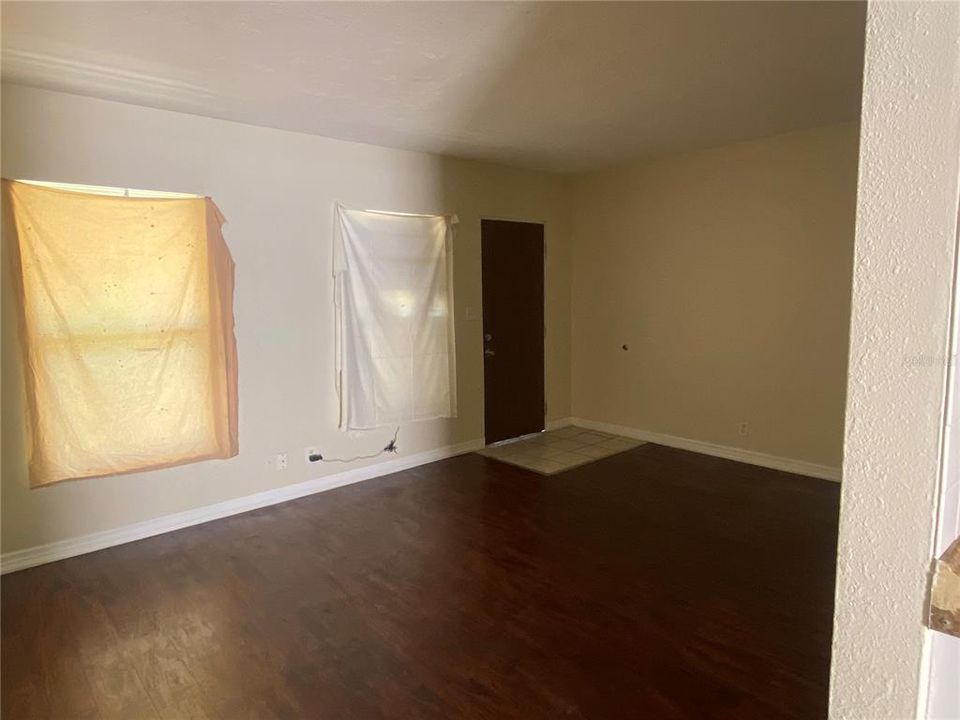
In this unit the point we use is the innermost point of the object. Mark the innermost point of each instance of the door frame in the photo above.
(546, 321)
(939, 694)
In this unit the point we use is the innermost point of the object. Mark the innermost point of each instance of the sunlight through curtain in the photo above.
(396, 356)
(126, 326)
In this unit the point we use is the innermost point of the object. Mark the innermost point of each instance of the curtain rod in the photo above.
(452, 217)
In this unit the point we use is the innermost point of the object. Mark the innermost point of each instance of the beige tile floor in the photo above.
(558, 450)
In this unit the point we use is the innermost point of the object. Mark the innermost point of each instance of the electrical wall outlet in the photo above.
(742, 428)
(312, 455)
(281, 461)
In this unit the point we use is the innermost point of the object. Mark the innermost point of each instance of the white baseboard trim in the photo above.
(558, 423)
(751, 457)
(62, 549)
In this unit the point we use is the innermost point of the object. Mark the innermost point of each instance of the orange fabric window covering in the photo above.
(126, 329)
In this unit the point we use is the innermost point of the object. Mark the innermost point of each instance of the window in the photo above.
(126, 302)
(396, 352)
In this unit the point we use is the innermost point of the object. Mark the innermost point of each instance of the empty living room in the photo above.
(520, 360)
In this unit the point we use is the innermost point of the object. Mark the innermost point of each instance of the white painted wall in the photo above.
(276, 189)
(903, 265)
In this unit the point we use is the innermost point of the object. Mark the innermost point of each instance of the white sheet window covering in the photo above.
(396, 353)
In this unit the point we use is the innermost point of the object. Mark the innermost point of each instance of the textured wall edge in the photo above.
(903, 264)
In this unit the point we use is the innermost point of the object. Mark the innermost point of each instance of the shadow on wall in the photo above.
(714, 72)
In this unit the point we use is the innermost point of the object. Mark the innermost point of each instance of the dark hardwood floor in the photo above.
(652, 584)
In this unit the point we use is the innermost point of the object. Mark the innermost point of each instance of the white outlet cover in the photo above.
(281, 461)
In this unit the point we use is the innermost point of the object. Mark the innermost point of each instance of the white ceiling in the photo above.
(555, 86)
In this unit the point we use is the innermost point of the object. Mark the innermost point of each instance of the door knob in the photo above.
(488, 353)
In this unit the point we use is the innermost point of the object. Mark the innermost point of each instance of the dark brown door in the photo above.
(512, 261)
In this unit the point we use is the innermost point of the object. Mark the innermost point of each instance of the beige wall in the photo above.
(727, 273)
(276, 189)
